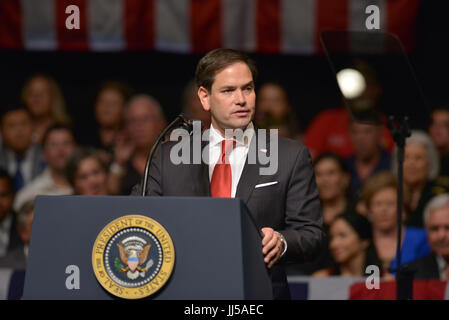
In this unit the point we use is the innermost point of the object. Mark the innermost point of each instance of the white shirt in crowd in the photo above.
(41, 185)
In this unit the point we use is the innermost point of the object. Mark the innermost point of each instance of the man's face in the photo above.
(6, 198)
(439, 129)
(17, 130)
(143, 123)
(438, 231)
(232, 100)
(366, 139)
(38, 98)
(58, 148)
(272, 101)
(109, 108)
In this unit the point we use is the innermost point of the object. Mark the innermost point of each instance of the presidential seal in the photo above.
(133, 257)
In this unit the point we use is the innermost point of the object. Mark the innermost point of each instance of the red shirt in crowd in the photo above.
(329, 131)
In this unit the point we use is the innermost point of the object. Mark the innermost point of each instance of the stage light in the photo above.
(351, 83)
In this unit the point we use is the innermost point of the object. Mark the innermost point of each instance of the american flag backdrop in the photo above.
(195, 26)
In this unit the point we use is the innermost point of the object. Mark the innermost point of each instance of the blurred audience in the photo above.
(332, 179)
(350, 159)
(109, 114)
(9, 238)
(45, 101)
(144, 120)
(421, 168)
(274, 111)
(351, 247)
(369, 157)
(329, 131)
(19, 155)
(17, 258)
(436, 221)
(380, 195)
(192, 107)
(58, 145)
(87, 173)
(439, 132)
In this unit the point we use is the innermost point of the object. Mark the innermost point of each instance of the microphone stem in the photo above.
(153, 150)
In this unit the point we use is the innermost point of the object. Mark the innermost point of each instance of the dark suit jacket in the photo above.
(291, 206)
(426, 268)
(37, 162)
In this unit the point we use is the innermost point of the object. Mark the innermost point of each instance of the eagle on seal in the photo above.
(133, 259)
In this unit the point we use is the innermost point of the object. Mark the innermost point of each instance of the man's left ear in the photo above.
(204, 96)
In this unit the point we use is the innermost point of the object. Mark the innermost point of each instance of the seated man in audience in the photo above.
(58, 146)
(436, 221)
(439, 131)
(17, 258)
(18, 155)
(9, 238)
(144, 121)
(369, 157)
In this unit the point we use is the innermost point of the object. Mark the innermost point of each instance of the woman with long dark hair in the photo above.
(351, 247)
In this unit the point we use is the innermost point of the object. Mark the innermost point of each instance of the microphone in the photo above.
(181, 121)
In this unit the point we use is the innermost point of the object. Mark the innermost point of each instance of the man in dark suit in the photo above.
(18, 155)
(9, 237)
(436, 221)
(284, 202)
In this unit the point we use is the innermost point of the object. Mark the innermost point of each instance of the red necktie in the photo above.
(221, 182)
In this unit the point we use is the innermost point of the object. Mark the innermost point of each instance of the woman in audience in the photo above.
(109, 108)
(380, 196)
(332, 179)
(43, 98)
(87, 173)
(421, 170)
(351, 247)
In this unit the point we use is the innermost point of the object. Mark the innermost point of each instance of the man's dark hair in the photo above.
(13, 108)
(117, 86)
(56, 127)
(215, 61)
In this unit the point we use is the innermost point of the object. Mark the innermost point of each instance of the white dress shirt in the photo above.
(25, 166)
(41, 185)
(5, 229)
(441, 266)
(237, 157)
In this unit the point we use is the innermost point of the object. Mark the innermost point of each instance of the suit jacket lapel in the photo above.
(200, 177)
(250, 174)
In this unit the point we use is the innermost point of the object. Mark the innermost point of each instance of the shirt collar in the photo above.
(244, 140)
(5, 225)
(441, 264)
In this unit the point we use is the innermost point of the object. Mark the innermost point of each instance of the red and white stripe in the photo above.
(186, 26)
